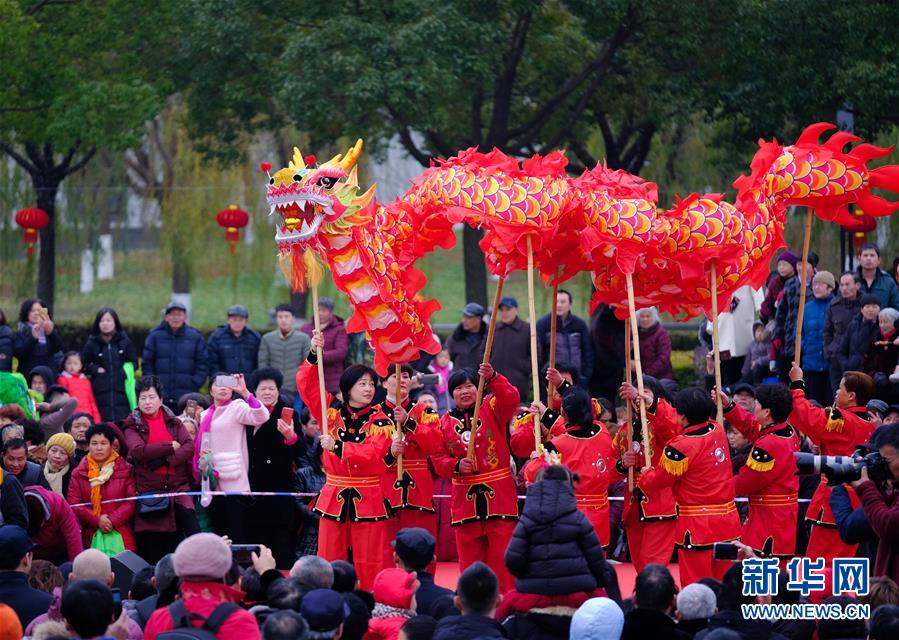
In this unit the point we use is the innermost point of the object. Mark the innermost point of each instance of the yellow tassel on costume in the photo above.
(429, 416)
(1, 477)
(674, 462)
(524, 421)
(760, 460)
(834, 421)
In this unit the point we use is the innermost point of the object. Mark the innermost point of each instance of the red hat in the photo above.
(395, 588)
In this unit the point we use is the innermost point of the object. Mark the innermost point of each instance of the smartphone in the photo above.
(225, 381)
(116, 603)
(724, 551)
(430, 379)
(242, 553)
(44, 313)
(287, 415)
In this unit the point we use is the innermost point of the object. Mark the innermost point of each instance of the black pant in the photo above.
(230, 515)
(817, 387)
(151, 546)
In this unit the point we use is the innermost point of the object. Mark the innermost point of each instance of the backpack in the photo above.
(182, 629)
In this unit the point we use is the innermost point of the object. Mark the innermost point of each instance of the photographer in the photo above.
(880, 504)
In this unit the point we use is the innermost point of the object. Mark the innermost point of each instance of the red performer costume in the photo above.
(696, 464)
(837, 431)
(485, 501)
(352, 504)
(769, 480)
(650, 513)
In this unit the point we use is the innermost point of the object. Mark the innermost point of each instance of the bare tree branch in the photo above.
(505, 82)
(19, 159)
(78, 166)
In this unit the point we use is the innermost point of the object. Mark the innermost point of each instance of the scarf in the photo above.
(98, 476)
(54, 478)
(386, 611)
(205, 427)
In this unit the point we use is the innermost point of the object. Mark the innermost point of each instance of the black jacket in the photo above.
(31, 353)
(855, 343)
(179, 358)
(26, 601)
(555, 550)
(511, 354)
(573, 345)
(7, 347)
(640, 624)
(468, 627)
(428, 593)
(13, 509)
(840, 313)
(271, 467)
(467, 349)
(748, 629)
(538, 626)
(109, 386)
(233, 354)
(33, 473)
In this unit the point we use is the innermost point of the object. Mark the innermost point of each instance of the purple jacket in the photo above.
(337, 344)
(54, 613)
(59, 537)
(883, 516)
(655, 352)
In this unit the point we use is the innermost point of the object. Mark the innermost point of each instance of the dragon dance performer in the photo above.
(485, 501)
(837, 431)
(418, 435)
(359, 436)
(769, 477)
(585, 447)
(696, 464)
(649, 512)
(551, 421)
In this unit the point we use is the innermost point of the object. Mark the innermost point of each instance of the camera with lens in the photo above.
(842, 469)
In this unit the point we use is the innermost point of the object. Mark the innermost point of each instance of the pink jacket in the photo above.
(60, 535)
(230, 457)
(79, 387)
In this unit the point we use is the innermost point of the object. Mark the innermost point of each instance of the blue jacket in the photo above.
(883, 286)
(813, 358)
(233, 354)
(26, 601)
(179, 358)
(851, 523)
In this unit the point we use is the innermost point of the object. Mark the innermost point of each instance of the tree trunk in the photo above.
(475, 266)
(46, 189)
(300, 303)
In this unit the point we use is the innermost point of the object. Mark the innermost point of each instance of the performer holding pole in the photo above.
(488, 351)
(803, 286)
(635, 337)
(719, 409)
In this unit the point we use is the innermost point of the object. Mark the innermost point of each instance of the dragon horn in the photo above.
(352, 155)
(297, 162)
(352, 179)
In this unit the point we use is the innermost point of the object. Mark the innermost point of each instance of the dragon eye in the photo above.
(297, 177)
(327, 182)
(271, 181)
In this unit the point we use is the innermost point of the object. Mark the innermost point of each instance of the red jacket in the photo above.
(60, 535)
(490, 493)
(119, 485)
(203, 598)
(837, 432)
(354, 470)
(882, 514)
(79, 387)
(770, 482)
(337, 343)
(423, 437)
(696, 464)
(384, 628)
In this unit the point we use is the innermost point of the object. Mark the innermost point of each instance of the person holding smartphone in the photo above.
(37, 343)
(225, 422)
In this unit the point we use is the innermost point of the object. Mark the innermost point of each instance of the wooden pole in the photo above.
(635, 338)
(535, 373)
(398, 371)
(320, 359)
(488, 350)
(552, 341)
(629, 378)
(719, 409)
(797, 350)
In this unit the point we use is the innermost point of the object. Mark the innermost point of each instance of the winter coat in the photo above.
(855, 343)
(840, 313)
(119, 485)
(882, 513)
(7, 347)
(883, 286)
(13, 509)
(284, 353)
(573, 345)
(459, 627)
(271, 467)
(32, 353)
(231, 353)
(538, 626)
(428, 593)
(179, 358)
(758, 356)
(384, 628)
(59, 538)
(309, 479)
(851, 523)
(33, 473)
(202, 598)
(337, 343)
(80, 388)
(786, 316)
(607, 338)
(733, 620)
(512, 354)
(466, 349)
(655, 352)
(109, 386)
(554, 550)
(26, 601)
(231, 458)
(880, 361)
(813, 358)
(146, 459)
(651, 623)
(774, 285)
(54, 614)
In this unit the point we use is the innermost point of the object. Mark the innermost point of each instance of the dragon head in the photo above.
(313, 200)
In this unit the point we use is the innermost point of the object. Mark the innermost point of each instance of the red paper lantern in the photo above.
(860, 227)
(32, 220)
(232, 220)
